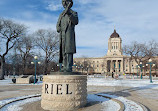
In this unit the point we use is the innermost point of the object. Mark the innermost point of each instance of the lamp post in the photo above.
(133, 71)
(143, 70)
(60, 66)
(82, 68)
(141, 65)
(119, 67)
(150, 63)
(74, 66)
(114, 66)
(87, 70)
(35, 62)
(137, 69)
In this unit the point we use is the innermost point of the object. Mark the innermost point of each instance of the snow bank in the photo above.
(142, 83)
(5, 101)
(17, 106)
(129, 105)
(108, 105)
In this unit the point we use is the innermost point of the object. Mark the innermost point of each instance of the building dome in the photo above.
(114, 34)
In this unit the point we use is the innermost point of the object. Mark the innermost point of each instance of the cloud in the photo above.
(135, 20)
(54, 5)
(35, 25)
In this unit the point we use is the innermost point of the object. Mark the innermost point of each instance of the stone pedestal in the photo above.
(64, 92)
(24, 79)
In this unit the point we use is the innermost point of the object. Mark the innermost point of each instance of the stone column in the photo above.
(117, 64)
(119, 45)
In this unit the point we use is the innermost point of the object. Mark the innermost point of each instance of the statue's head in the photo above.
(66, 2)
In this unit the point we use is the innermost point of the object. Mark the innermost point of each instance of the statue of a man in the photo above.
(66, 27)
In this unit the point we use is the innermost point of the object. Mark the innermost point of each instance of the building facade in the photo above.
(113, 61)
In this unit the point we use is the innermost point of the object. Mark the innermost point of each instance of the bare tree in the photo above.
(136, 51)
(151, 49)
(141, 51)
(24, 47)
(48, 41)
(10, 32)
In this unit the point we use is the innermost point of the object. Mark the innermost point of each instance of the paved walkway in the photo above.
(146, 96)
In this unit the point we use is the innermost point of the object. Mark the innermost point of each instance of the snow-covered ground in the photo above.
(101, 81)
(141, 83)
(8, 81)
(17, 106)
(5, 101)
(108, 105)
(129, 105)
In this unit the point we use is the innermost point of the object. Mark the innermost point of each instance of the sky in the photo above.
(134, 20)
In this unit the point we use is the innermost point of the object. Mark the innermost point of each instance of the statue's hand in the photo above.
(67, 9)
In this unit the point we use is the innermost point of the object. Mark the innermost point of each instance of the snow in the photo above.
(96, 80)
(108, 105)
(17, 106)
(141, 83)
(8, 81)
(129, 105)
(5, 101)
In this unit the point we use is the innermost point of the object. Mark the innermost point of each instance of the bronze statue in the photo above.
(66, 27)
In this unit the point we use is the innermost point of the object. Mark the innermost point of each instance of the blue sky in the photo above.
(135, 20)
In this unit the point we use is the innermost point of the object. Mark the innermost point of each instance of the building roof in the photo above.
(114, 34)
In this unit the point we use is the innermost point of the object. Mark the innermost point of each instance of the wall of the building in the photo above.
(99, 65)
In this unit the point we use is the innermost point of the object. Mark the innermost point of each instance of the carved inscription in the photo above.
(58, 89)
(46, 88)
(67, 89)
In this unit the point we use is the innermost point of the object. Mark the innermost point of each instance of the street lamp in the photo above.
(87, 69)
(60, 66)
(35, 62)
(114, 66)
(150, 63)
(133, 70)
(137, 69)
(141, 65)
(74, 66)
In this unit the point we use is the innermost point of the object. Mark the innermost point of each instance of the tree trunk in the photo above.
(2, 73)
(23, 67)
(45, 67)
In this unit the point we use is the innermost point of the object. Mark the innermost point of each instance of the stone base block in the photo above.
(64, 92)
(24, 79)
